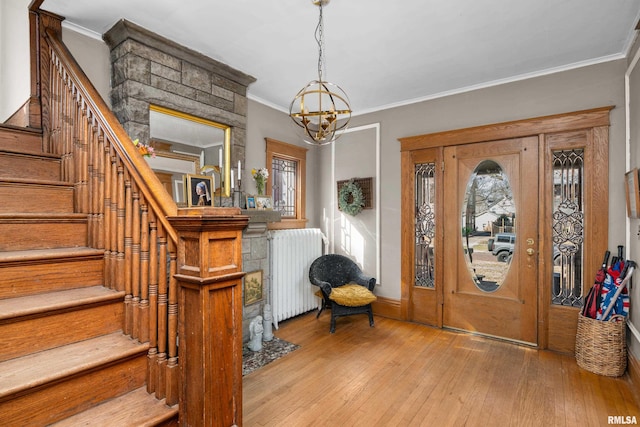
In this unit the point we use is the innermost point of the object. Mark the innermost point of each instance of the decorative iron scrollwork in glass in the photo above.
(568, 227)
(425, 225)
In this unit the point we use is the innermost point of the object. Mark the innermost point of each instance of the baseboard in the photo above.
(387, 307)
(633, 370)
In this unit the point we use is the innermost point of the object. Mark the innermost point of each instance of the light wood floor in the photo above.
(403, 374)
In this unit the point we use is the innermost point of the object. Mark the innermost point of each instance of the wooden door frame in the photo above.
(595, 122)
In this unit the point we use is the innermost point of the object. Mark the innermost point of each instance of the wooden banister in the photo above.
(128, 213)
(126, 205)
(140, 172)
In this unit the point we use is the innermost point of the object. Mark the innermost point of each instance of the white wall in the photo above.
(93, 56)
(588, 87)
(14, 56)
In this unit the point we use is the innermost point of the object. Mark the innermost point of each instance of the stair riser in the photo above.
(12, 139)
(36, 278)
(24, 198)
(19, 337)
(24, 166)
(26, 235)
(51, 403)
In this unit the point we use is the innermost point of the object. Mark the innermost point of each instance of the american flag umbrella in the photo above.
(593, 300)
(616, 298)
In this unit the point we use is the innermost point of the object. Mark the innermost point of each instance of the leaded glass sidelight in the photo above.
(425, 224)
(284, 186)
(568, 227)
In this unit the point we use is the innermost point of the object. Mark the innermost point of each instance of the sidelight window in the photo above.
(568, 227)
(425, 227)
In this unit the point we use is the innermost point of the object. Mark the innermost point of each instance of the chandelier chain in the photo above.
(320, 40)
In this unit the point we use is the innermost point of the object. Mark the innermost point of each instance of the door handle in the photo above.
(530, 251)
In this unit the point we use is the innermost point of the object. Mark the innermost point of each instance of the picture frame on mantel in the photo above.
(264, 202)
(251, 201)
(632, 187)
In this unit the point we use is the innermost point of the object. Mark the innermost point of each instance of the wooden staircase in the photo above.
(64, 358)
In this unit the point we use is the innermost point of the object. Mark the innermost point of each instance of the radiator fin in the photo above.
(292, 252)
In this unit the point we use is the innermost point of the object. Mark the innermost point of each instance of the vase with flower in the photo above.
(260, 177)
(144, 149)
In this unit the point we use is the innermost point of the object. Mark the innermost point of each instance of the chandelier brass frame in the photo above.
(320, 108)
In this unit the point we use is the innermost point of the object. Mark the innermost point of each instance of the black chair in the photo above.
(333, 271)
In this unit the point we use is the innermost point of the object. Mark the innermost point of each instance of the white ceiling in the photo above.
(382, 53)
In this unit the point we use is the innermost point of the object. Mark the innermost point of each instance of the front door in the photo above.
(490, 221)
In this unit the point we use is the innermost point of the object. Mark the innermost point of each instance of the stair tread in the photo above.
(26, 130)
(37, 369)
(48, 254)
(58, 300)
(30, 181)
(40, 216)
(136, 408)
(31, 154)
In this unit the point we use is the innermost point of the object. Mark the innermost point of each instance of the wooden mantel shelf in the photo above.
(262, 215)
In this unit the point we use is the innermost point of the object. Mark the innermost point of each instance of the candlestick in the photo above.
(220, 157)
(239, 173)
(232, 186)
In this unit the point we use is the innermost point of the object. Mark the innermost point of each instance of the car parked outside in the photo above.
(502, 245)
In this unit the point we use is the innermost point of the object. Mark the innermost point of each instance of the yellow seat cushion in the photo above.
(352, 295)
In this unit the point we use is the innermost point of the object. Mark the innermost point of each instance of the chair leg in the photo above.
(332, 329)
(320, 310)
(370, 317)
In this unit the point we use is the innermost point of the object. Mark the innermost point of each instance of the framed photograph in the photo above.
(253, 287)
(264, 202)
(632, 188)
(197, 188)
(251, 202)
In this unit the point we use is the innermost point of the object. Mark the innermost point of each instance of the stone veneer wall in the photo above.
(148, 69)
(256, 256)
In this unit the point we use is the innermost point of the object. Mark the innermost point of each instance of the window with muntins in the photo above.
(287, 168)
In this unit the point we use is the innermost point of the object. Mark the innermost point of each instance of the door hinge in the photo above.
(442, 166)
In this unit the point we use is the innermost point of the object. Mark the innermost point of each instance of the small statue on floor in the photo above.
(255, 334)
(268, 331)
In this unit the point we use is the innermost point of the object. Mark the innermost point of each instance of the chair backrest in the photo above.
(334, 269)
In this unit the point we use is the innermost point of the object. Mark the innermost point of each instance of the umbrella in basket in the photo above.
(616, 299)
(593, 300)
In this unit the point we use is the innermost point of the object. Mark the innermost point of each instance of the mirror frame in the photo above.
(226, 190)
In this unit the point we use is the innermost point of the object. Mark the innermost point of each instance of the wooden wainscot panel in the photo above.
(564, 321)
(223, 253)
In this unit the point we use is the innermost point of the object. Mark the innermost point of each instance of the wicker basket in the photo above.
(601, 347)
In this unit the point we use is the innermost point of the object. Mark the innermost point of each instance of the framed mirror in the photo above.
(186, 144)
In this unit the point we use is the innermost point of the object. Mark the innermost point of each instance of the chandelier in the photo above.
(321, 108)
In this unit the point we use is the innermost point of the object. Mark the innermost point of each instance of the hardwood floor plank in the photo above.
(404, 374)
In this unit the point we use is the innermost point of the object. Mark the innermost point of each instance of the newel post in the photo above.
(209, 276)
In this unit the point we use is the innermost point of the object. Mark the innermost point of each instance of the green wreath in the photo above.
(350, 198)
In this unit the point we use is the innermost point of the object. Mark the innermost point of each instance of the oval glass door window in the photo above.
(488, 226)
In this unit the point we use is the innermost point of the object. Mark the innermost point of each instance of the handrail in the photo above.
(138, 168)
